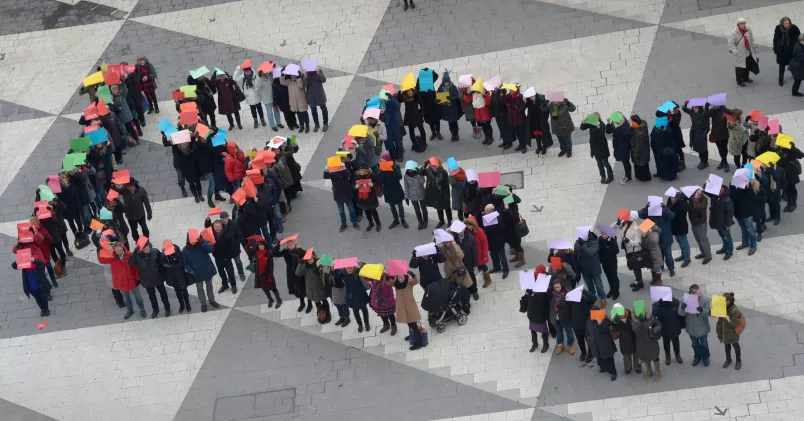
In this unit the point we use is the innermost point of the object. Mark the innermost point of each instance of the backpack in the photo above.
(740, 326)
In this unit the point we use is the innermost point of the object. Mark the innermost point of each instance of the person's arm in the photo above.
(570, 106)
(300, 268)
(147, 203)
(321, 76)
(208, 248)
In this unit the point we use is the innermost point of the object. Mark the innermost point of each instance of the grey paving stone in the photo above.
(676, 11)
(244, 353)
(18, 16)
(10, 112)
(152, 7)
(444, 30)
(14, 412)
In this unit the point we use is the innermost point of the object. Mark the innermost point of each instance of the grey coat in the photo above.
(314, 84)
(561, 124)
(737, 46)
(122, 105)
(588, 255)
(697, 325)
(313, 282)
(458, 193)
(647, 343)
(414, 187)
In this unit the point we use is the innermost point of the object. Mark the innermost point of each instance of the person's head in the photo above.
(34, 221)
(248, 72)
(217, 226)
(597, 114)
(147, 248)
(488, 209)
(261, 245)
(364, 170)
(558, 286)
(371, 121)
(184, 146)
(741, 24)
(225, 217)
(131, 187)
(737, 114)
(350, 270)
(729, 299)
(635, 120)
(541, 269)
(142, 60)
(695, 290)
(114, 89)
(118, 248)
(785, 23)
(626, 314)
(723, 191)
(470, 224)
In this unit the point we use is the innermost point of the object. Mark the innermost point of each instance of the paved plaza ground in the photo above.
(246, 361)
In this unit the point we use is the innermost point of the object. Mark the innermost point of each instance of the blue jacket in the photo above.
(196, 259)
(391, 114)
(663, 222)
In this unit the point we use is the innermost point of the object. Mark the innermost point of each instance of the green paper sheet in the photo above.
(616, 116)
(592, 119)
(80, 144)
(105, 94)
(509, 200)
(617, 311)
(292, 140)
(79, 158)
(197, 73)
(189, 91)
(639, 308)
(45, 193)
(67, 164)
(326, 260)
(501, 190)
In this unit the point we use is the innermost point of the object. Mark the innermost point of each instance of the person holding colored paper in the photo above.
(623, 326)
(431, 109)
(407, 311)
(482, 245)
(608, 251)
(777, 182)
(391, 117)
(451, 109)
(663, 222)
(146, 78)
(134, 97)
(601, 344)
(468, 110)
(599, 146)
(496, 237)
(738, 138)
(413, 118)
(152, 276)
(744, 200)
(663, 145)
(414, 182)
(317, 284)
(227, 105)
(558, 293)
(721, 218)
(138, 208)
(316, 97)
(667, 314)
(457, 182)
(356, 296)
(121, 108)
(342, 193)
(297, 98)
(674, 122)
(589, 261)
(537, 125)
(205, 91)
(561, 123)
(697, 205)
(620, 142)
(175, 275)
(729, 329)
(537, 309)
(392, 192)
(698, 133)
(186, 165)
(234, 161)
(680, 227)
(35, 283)
(639, 144)
(633, 242)
(481, 103)
(696, 323)
(759, 188)
(437, 191)
(367, 185)
(383, 302)
(251, 89)
(648, 330)
(125, 277)
(579, 319)
(792, 168)
(515, 115)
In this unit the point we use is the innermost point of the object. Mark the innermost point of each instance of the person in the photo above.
(120, 106)
(315, 284)
(742, 47)
(297, 98)
(467, 244)
(429, 271)
(264, 86)
(536, 124)
(567, 273)
(680, 227)
(621, 144)
(510, 219)
(663, 222)
(146, 77)
(125, 277)
(633, 241)
(589, 259)
(647, 330)
(743, 200)
(674, 122)
(759, 194)
(667, 314)
(457, 183)
(785, 38)
(563, 321)
(537, 308)
(729, 329)
(356, 297)
(186, 166)
(599, 146)
(383, 302)
(579, 319)
(496, 238)
(390, 116)
(482, 244)
(415, 192)
(602, 345)
(792, 168)
(342, 193)
(777, 183)
(76, 201)
(44, 241)
(697, 205)
(230, 225)
(698, 133)
(227, 105)
(175, 275)
(413, 118)
(234, 161)
(245, 77)
(152, 276)
(561, 123)
(34, 282)
(451, 109)
(608, 251)
(721, 218)
(225, 248)
(264, 268)
(720, 133)
(292, 254)
(696, 323)
(393, 193)
(455, 269)
(48, 221)
(796, 66)
(481, 103)
(138, 208)
(198, 264)
(313, 82)
(205, 98)
(407, 311)
(282, 100)
(663, 145)
(431, 110)
(437, 193)
(738, 137)
(515, 114)
(338, 296)
(367, 186)
(640, 148)
(622, 326)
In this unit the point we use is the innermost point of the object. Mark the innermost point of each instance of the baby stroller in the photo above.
(444, 301)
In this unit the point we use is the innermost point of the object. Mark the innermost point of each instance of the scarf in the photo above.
(554, 110)
(558, 297)
(745, 38)
(785, 37)
(478, 100)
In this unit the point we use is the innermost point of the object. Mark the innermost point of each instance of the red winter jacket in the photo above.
(43, 241)
(482, 246)
(124, 275)
(234, 163)
(481, 114)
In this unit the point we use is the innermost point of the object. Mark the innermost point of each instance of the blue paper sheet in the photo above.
(374, 102)
(426, 81)
(452, 164)
(750, 169)
(219, 138)
(667, 106)
(99, 136)
(167, 127)
(661, 122)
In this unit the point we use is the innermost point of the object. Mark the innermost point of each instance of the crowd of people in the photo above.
(103, 204)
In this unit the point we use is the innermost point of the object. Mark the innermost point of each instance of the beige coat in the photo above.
(737, 46)
(637, 239)
(406, 309)
(297, 96)
(455, 262)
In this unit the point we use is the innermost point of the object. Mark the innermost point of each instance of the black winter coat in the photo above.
(784, 42)
(679, 224)
(538, 307)
(469, 247)
(620, 141)
(721, 212)
(428, 267)
(292, 258)
(699, 129)
(185, 161)
(640, 144)
(150, 267)
(608, 250)
(226, 245)
(674, 122)
(788, 163)
(627, 336)
(719, 129)
(342, 185)
(436, 188)
(796, 66)
(599, 339)
(743, 202)
(137, 204)
(391, 187)
(371, 201)
(536, 119)
(667, 314)
(204, 156)
(579, 312)
(495, 234)
(173, 267)
(598, 144)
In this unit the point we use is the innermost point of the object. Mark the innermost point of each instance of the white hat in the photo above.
(740, 20)
(634, 216)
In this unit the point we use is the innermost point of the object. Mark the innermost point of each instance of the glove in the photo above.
(684, 306)
(700, 310)
(414, 253)
(150, 216)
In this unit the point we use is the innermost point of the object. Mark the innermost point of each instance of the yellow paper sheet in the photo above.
(342, 154)
(784, 141)
(478, 86)
(93, 79)
(768, 157)
(509, 87)
(251, 153)
(358, 130)
(443, 97)
(718, 306)
(334, 162)
(372, 271)
(408, 82)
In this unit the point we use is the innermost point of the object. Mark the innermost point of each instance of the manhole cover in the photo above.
(515, 179)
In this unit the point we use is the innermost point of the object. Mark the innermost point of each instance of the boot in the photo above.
(559, 349)
(520, 255)
(218, 197)
(667, 359)
(210, 203)
(658, 369)
(262, 121)
(648, 371)
(181, 308)
(656, 278)
(183, 191)
(545, 344)
(534, 339)
(572, 350)
(256, 124)
(637, 286)
(679, 359)
(438, 136)
(309, 306)
(486, 279)
(412, 6)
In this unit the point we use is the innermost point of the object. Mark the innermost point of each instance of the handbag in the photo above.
(521, 228)
(740, 326)
(638, 259)
(145, 105)
(753, 64)
(252, 265)
(238, 94)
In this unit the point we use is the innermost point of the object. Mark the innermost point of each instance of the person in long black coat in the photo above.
(698, 133)
(392, 193)
(720, 133)
(579, 316)
(413, 118)
(205, 161)
(536, 124)
(674, 121)
(790, 163)
(436, 191)
(343, 194)
(176, 277)
(205, 98)
(599, 149)
(796, 66)
(431, 109)
(785, 38)
(429, 271)
(602, 345)
(667, 314)
(627, 341)
(620, 142)
(663, 144)
(282, 100)
(500, 113)
(452, 110)
(680, 227)
(293, 254)
(186, 165)
(778, 184)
